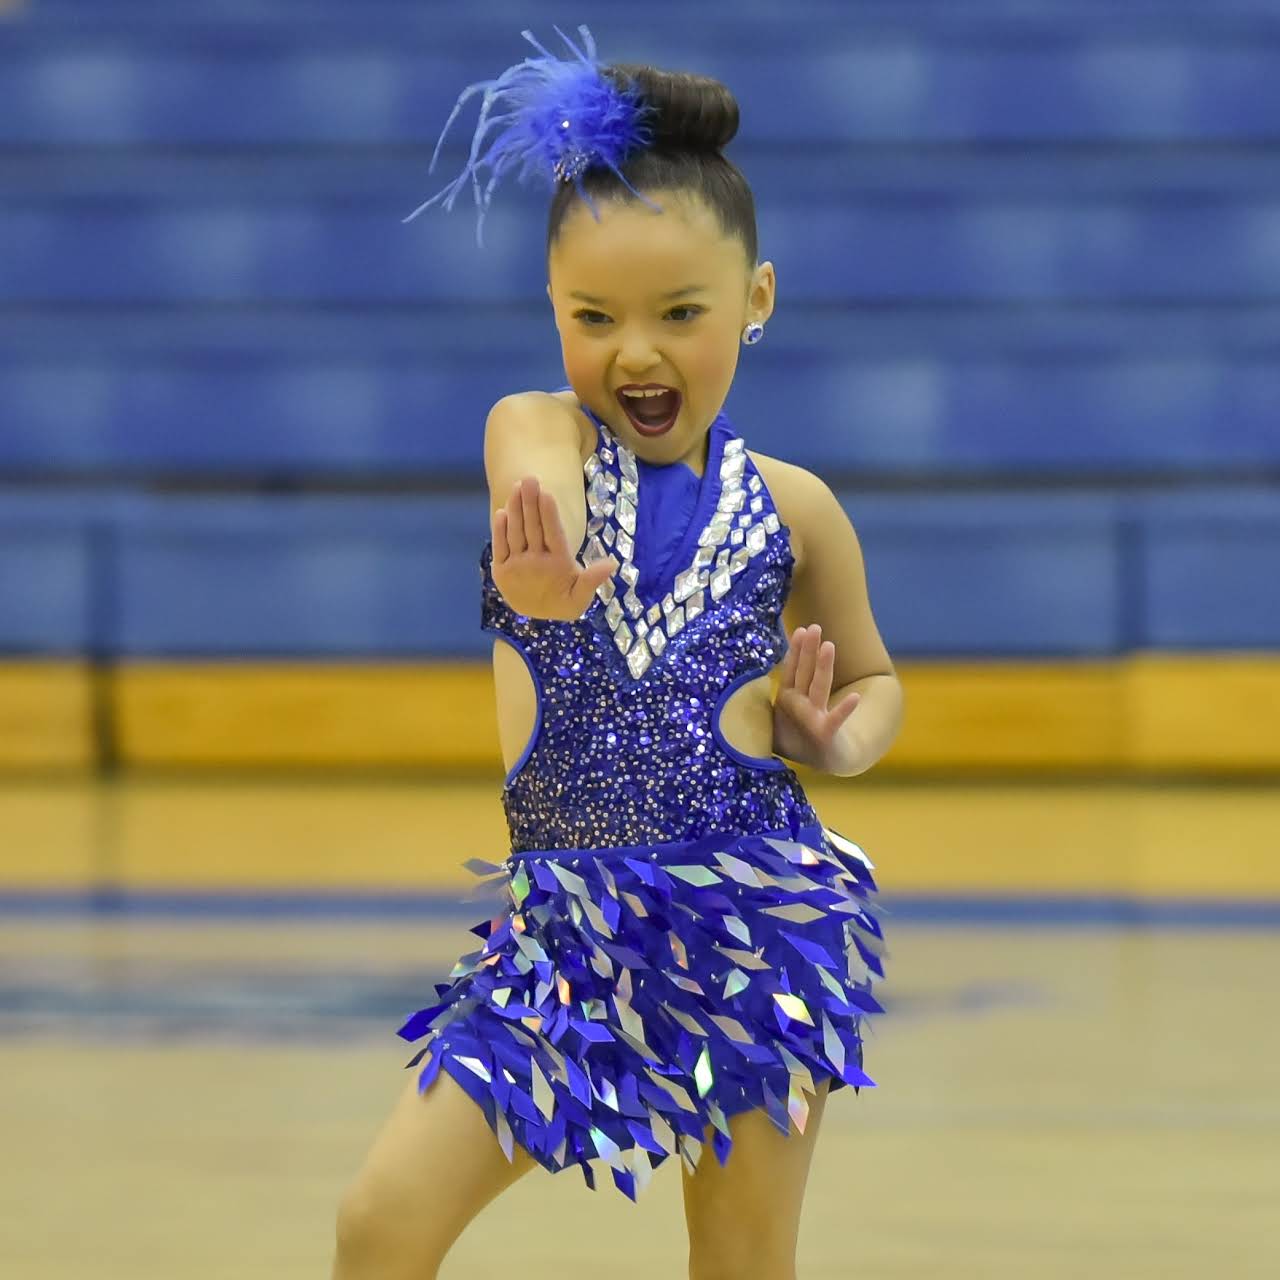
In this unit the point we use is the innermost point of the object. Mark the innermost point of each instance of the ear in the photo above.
(763, 292)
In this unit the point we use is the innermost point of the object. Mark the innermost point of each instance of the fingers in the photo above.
(501, 546)
(825, 665)
(513, 514)
(810, 665)
(806, 660)
(589, 579)
(552, 530)
(529, 504)
(520, 522)
(843, 710)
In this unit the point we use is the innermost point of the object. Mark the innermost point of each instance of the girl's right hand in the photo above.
(532, 565)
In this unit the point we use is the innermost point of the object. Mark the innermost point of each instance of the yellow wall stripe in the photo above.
(1151, 712)
(46, 715)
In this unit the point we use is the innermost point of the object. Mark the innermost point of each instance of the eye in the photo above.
(591, 324)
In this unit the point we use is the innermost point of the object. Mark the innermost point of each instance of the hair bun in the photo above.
(689, 112)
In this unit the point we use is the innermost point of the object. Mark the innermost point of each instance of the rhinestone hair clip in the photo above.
(559, 118)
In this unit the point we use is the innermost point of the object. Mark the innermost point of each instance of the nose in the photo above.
(637, 356)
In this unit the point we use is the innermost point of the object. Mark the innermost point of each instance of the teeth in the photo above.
(644, 395)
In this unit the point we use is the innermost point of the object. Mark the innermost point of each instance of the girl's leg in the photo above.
(432, 1168)
(744, 1217)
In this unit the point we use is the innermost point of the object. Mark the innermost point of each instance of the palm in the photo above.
(805, 728)
(532, 565)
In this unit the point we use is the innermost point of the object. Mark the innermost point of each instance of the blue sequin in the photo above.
(618, 760)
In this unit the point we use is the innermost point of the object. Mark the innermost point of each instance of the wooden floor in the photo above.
(187, 1096)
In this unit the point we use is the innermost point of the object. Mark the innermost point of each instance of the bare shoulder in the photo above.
(586, 428)
(798, 494)
(548, 411)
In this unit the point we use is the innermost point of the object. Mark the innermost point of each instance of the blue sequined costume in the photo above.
(680, 939)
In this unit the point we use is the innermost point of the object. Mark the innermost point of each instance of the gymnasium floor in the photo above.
(1077, 1066)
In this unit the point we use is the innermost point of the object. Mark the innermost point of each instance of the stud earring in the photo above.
(752, 333)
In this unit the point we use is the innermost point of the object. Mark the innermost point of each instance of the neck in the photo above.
(696, 458)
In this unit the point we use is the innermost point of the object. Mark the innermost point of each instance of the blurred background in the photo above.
(1028, 329)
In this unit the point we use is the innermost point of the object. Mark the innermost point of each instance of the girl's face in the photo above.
(618, 291)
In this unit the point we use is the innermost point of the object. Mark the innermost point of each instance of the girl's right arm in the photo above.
(533, 463)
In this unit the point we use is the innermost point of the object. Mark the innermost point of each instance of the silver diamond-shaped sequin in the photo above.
(686, 584)
(771, 522)
(736, 537)
(607, 535)
(629, 573)
(668, 602)
(755, 484)
(632, 603)
(653, 614)
(713, 535)
(642, 627)
(693, 607)
(757, 504)
(734, 446)
(675, 620)
(613, 613)
(719, 583)
(608, 507)
(626, 548)
(626, 514)
(629, 490)
(722, 559)
(703, 557)
(605, 590)
(731, 500)
(593, 551)
(606, 455)
(627, 465)
(744, 520)
(639, 658)
(738, 561)
(622, 637)
(611, 482)
(756, 538)
(657, 641)
(732, 465)
(597, 494)
(595, 524)
(591, 466)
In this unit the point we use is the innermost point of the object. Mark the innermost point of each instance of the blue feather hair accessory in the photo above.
(559, 119)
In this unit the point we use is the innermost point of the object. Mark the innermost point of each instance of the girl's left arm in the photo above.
(840, 703)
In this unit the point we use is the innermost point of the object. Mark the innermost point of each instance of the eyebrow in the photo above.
(666, 297)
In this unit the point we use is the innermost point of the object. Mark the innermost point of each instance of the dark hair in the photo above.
(691, 118)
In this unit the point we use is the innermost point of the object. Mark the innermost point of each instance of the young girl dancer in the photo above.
(683, 955)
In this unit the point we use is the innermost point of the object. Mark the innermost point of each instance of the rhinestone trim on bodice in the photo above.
(611, 501)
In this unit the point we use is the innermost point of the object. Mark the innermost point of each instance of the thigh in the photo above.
(744, 1217)
(432, 1167)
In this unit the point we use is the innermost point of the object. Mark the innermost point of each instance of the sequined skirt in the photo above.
(627, 1001)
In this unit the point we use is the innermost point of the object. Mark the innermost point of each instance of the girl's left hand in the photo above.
(805, 728)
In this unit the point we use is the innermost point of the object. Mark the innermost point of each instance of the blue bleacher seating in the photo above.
(1028, 319)
(1090, 574)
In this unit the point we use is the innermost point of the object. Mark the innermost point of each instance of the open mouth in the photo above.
(651, 415)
